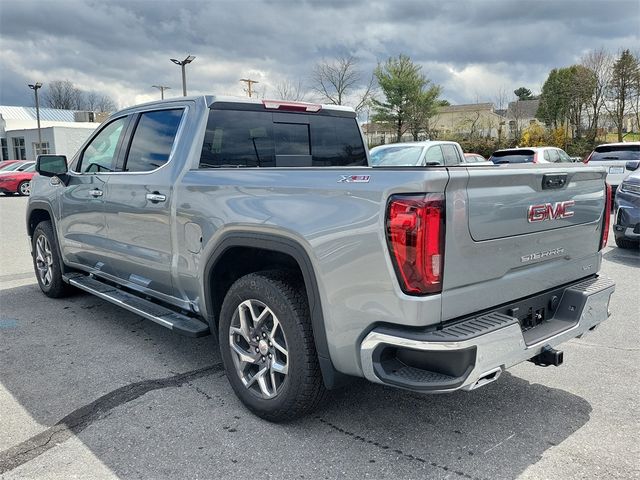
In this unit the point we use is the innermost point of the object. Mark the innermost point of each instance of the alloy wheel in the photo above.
(25, 188)
(259, 348)
(44, 260)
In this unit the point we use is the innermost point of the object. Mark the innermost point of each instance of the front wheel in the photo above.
(625, 243)
(24, 188)
(267, 346)
(46, 262)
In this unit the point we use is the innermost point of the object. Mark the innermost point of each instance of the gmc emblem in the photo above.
(547, 211)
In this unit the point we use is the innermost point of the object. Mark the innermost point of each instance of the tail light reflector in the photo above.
(606, 218)
(586, 160)
(415, 235)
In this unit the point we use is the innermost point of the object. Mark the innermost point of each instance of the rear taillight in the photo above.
(415, 235)
(607, 218)
(586, 160)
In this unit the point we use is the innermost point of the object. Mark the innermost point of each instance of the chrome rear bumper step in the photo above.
(182, 324)
(474, 352)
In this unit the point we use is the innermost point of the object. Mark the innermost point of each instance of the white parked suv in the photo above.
(614, 157)
(531, 155)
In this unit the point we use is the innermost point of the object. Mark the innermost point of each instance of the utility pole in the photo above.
(183, 63)
(249, 83)
(162, 88)
(35, 88)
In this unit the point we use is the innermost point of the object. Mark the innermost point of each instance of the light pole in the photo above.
(35, 88)
(162, 88)
(182, 64)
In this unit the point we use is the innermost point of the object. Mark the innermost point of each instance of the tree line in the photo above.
(63, 94)
(576, 97)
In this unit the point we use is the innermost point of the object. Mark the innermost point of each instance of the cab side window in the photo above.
(434, 156)
(152, 140)
(553, 156)
(100, 155)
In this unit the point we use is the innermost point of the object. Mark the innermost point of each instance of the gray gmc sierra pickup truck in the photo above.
(262, 222)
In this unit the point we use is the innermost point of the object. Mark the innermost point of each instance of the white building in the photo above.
(62, 131)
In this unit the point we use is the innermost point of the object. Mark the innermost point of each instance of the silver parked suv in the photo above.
(260, 222)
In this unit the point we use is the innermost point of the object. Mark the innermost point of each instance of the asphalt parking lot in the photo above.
(88, 390)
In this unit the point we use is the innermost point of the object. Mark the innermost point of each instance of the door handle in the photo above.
(95, 193)
(156, 197)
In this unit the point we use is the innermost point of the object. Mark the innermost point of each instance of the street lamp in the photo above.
(162, 88)
(35, 88)
(182, 64)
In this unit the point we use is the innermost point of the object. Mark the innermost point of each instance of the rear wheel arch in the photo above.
(271, 252)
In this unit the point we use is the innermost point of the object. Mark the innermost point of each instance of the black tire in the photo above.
(22, 186)
(56, 286)
(302, 389)
(626, 243)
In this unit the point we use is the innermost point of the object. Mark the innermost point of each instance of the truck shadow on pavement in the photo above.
(148, 403)
(628, 257)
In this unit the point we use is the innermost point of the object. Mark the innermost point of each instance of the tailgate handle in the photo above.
(554, 180)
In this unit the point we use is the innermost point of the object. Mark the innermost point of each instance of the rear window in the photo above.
(513, 156)
(616, 152)
(268, 139)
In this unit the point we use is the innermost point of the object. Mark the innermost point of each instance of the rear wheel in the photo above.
(24, 188)
(267, 346)
(46, 262)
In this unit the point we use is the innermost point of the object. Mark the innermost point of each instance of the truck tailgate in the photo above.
(512, 231)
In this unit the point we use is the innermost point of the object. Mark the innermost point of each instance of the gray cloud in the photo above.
(472, 48)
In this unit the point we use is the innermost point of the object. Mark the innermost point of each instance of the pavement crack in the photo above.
(82, 417)
(398, 451)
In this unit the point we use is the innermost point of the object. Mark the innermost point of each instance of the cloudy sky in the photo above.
(471, 48)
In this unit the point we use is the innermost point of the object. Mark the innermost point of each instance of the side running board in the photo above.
(182, 324)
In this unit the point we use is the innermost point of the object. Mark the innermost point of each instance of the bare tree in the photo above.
(289, 90)
(621, 88)
(91, 101)
(105, 104)
(337, 81)
(65, 95)
(635, 95)
(598, 62)
(501, 102)
(62, 94)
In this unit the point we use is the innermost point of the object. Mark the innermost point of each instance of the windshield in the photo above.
(513, 156)
(617, 152)
(10, 167)
(396, 156)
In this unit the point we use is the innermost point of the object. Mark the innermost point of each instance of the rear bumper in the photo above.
(474, 352)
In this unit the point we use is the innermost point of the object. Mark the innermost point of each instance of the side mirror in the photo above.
(632, 165)
(51, 165)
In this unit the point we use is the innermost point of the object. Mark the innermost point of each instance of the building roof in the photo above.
(522, 109)
(468, 107)
(29, 113)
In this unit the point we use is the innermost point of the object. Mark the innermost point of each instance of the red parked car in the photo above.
(9, 165)
(17, 181)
